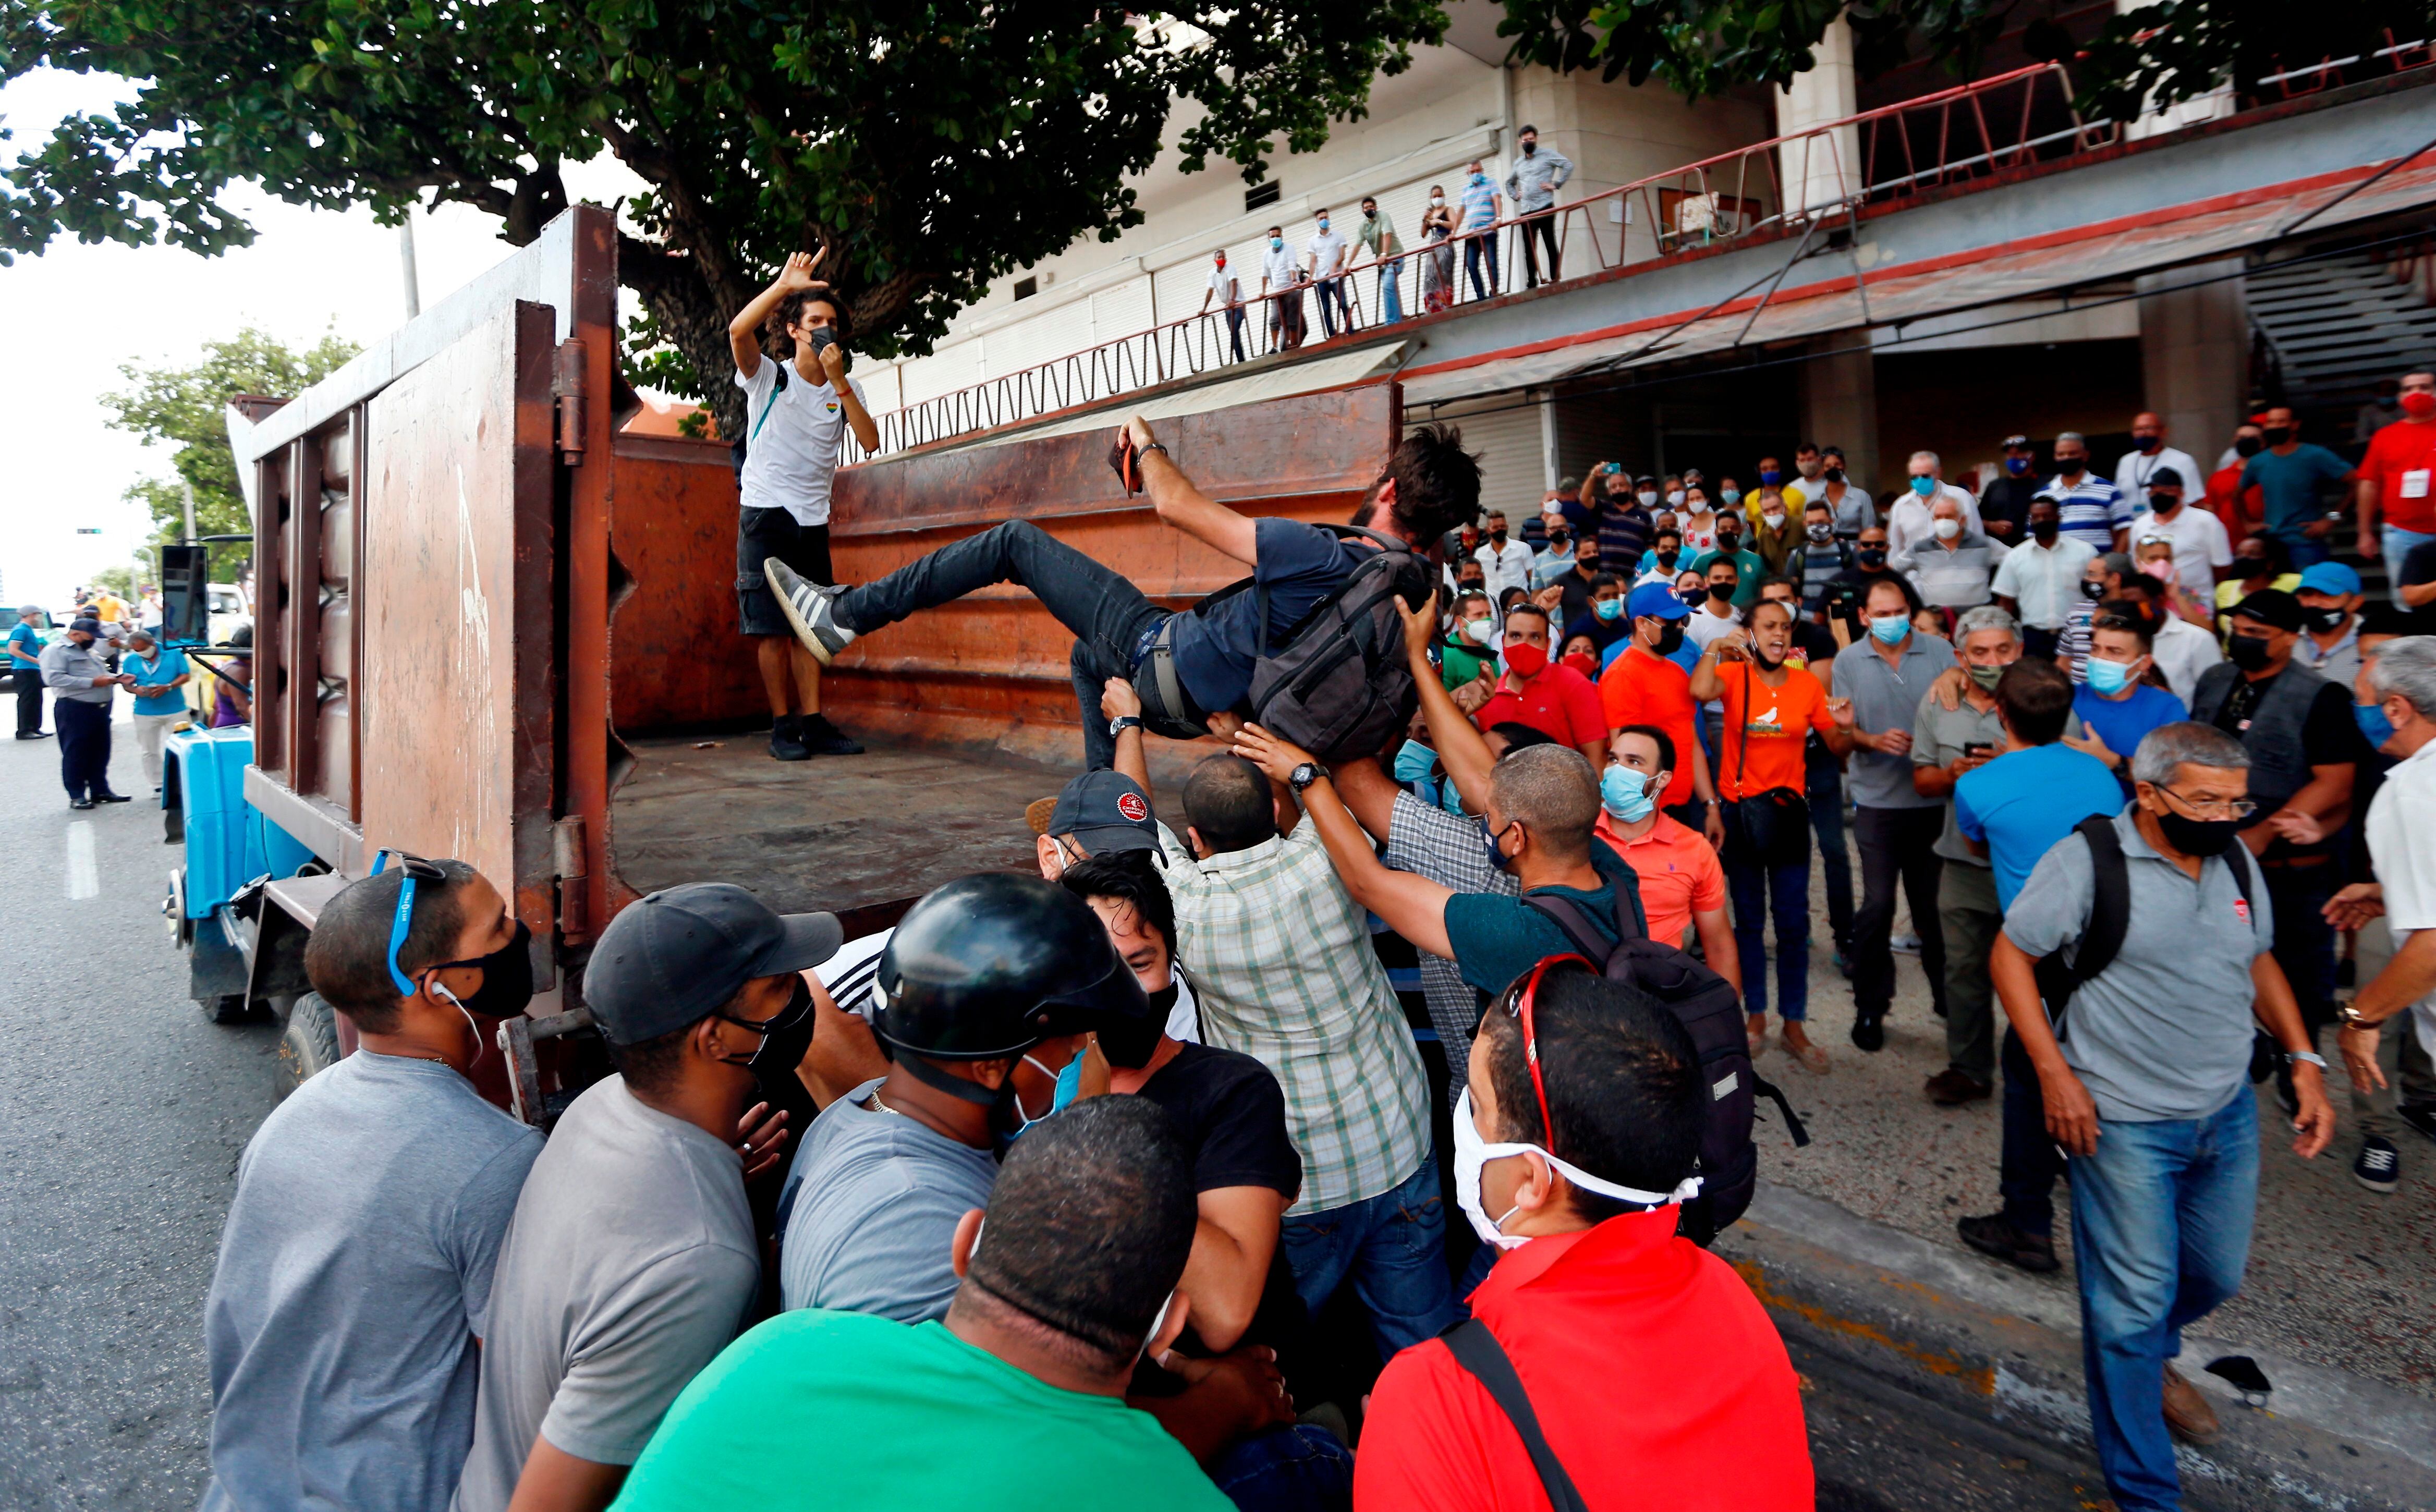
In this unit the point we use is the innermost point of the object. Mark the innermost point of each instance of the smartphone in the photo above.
(1612, 467)
(1977, 748)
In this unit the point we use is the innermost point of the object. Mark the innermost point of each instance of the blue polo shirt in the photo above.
(163, 665)
(2124, 726)
(27, 636)
(2021, 802)
(2290, 488)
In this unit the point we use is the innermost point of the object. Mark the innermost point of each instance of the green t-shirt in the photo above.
(1497, 938)
(1750, 568)
(1460, 663)
(817, 1411)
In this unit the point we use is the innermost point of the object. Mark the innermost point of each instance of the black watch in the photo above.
(1304, 775)
(1124, 722)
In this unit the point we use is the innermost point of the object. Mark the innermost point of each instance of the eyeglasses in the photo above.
(2215, 807)
(416, 869)
(1516, 1004)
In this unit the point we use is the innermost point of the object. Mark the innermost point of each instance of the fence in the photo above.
(1970, 131)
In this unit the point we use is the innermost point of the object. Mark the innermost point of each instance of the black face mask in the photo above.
(2045, 530)
(1721, 591)
(2072, 466)
(1728, 541)
(1670, 638)
(1497, 535)
(783, 1040)
(1666, 556)
(507, 978)
(1870, 556)
(2091, 591)
(1692, 596)
(2277, 435)
(1834, 475)
(2251, 567)
(2248, 446)
(2248, 652)
(2324, 621)
(1162, 1002)
(2198, 837)
(2165, 503)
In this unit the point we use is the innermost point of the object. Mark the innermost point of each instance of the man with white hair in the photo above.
(1910, 523)
(1952, 567)
(2398, 679)
(2146, 1084)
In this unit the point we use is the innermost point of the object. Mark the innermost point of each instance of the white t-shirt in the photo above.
(1327, 252)
(2199, 545)
(2402, 840)
(1224, 284)
(1510, 568)
(1700, 626)
(847, 975)
(1277, 267)
(793, 438)
(2132, 473)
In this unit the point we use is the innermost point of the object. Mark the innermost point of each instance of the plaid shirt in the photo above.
(1447, 849)
(1281, 961)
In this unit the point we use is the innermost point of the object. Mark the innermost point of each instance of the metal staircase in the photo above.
(2337, 324)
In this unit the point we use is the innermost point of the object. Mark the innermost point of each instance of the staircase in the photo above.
(2337, 324)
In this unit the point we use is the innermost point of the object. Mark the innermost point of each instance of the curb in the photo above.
(1940, 1323)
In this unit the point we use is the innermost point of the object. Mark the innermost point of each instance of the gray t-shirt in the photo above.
(353, 1278)
(2163, 1032)
(631, 1263)
(1887, 698)
(872, 1203)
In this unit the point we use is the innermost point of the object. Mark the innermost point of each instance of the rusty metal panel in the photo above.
(271, 591)
(455, 608)
(675, 658)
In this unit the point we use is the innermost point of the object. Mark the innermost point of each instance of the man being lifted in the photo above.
(794, 426)
(1428, 486)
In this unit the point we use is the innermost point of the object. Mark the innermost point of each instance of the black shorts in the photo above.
(761, 534)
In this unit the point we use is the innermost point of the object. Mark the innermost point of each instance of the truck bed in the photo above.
(834, 833)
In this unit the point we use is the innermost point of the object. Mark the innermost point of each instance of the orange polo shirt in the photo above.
(1679, 874)
(1639, 688)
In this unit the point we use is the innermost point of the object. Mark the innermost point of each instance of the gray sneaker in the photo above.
(809, 608)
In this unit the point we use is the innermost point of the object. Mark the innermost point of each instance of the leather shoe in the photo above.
(2187, 1412)
(1994, 1234)
(1870, 1031)
(1952, 1088)
(111, 797)
(33, 735)
(79, 803)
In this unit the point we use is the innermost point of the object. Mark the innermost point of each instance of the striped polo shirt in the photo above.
(2091, 511)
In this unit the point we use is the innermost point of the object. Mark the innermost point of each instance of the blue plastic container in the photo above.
(228, 842)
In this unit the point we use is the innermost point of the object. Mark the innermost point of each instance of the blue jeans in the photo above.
(1823, 785)
(1391, 1246)
(1300, 1468)
(2308, 551)
(1391, 293)
(1333, 305)
(2161, 1219)
(1475, 249)
(1756, 887)
(1235, 330)
(2398, 543)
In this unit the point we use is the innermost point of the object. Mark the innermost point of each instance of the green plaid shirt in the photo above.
(1279, 959)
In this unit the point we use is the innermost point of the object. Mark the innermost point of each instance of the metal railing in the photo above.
(1968, 131)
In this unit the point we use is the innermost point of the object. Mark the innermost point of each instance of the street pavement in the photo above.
(122, 1110)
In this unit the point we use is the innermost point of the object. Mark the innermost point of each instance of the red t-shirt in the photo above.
(1655, 1373)
(2401, 461)
(1561, 704)
(1639, 688)
(2243, 516)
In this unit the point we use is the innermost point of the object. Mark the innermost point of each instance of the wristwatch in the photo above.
(1158, 446)
(1124, 722)
(2351, 1018)
(2294, 1058)
(1304, 775)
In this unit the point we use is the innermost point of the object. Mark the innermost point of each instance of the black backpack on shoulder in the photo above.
(1706, 1004)
(1337, 683)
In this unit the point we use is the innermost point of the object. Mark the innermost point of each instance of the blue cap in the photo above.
(1656, 600)
(2329, 577)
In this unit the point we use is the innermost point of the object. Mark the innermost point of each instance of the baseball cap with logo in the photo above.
(679, 955)
(1655, 600)
(1104, 811)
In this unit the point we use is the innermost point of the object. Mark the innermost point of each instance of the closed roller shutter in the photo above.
(1505, 433)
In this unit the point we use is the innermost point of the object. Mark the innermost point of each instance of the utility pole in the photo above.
(190, 510)
(406, 258)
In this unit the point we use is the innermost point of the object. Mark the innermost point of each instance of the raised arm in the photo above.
(1187, 508)
(1118, 701)
(1461, 750)
(744, 331)
(1414, 907)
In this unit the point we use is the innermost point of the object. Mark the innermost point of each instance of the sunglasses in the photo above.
(416, 869)
(1516, 1004)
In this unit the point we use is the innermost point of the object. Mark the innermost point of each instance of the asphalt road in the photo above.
(122, 1113)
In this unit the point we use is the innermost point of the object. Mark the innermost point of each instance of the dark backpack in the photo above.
(1706, 1005)
(1338, 683)
(2110, 915)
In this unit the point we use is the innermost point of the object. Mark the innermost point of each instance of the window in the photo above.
(1026, 287)
(1263, 194)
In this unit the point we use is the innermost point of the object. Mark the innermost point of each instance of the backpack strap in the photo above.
(1575, 923)
(1478, 1353)
(775, 392)
(2110, 911)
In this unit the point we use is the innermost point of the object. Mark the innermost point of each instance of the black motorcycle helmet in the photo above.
(987, 967)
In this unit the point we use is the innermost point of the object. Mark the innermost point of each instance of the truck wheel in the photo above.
(311, 1046)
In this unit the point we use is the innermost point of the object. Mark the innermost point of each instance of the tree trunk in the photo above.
(695, 319)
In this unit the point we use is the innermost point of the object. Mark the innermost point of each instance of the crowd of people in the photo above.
(86, 664)
(1091, 1154)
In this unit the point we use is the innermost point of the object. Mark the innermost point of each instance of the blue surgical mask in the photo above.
(2017, 466)
(1070, 1081)
(1924, 486)
(1731, 495)
(1625, 794)
(1770, 476)
(1489, 837)
(1890, 629)
(1607, 608)
(1415, 761)
(1449, 799)
(1480, 177)
(1277, 244)
(2374, 726)
(1323, 222)
(2109, 678)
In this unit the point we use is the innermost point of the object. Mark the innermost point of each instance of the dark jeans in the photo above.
(1823, 785)
(1392, 1248)
(2027, 1173)
(1539, 227)
(30, 702)
(1897, 844)
(1333, 305)
(1300, 1468)
(2040, 644)
(1235, 329)
(1757, 887)
(84, 746)
(1108, 615)
(2305, 942)
(1476, 249)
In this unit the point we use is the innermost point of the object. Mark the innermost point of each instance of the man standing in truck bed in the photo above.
(794, 426)
(1202, 658)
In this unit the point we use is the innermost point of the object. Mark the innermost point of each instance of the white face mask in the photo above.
(1476, 630)
(1472, 1152)
(1646, 498)
(1775, 519)
(1947, 530)
(1437, 199)
(1676, 498)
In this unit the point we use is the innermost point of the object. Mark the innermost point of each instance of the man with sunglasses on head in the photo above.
(354, 1278)
(631, 1259)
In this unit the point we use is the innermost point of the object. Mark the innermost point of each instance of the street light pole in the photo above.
(405, 259)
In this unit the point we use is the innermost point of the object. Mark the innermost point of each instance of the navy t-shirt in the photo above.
(1299, 564)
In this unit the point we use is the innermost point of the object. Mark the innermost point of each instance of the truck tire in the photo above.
(310, 1045)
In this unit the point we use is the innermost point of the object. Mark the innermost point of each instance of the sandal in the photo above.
(1813, 1058)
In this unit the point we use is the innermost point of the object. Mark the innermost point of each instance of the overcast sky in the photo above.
(74, 314)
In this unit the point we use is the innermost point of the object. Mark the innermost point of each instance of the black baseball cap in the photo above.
(2273, 608)
(1105, 811)
(679, 955)
(2165, 477)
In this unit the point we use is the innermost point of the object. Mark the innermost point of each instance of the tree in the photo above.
(186, 407)
(2159, 53)
(927, 147)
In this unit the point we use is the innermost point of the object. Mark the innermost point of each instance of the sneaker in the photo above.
(821, 738)
(1870, 1031)
(2419, 1116)
(787, 739)
(809, 608)
(1951, 1088)
(1994, 1234)
(2380, 1165)
(33, 735)
(2187, 1412)
(1905, 943)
